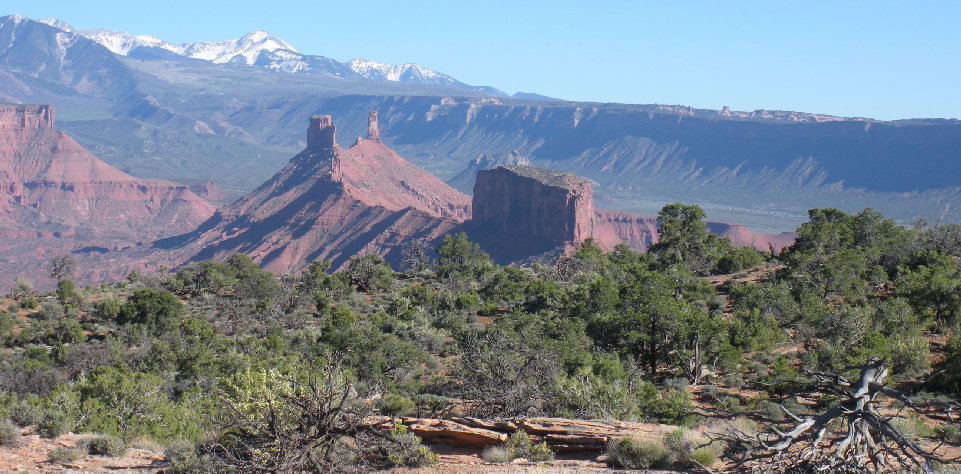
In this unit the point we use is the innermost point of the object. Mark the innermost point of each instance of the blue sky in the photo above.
(879, 59)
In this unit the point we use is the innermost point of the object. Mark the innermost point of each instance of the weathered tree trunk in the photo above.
(869, 441)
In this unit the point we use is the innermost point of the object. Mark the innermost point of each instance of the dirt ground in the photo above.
(32, 455)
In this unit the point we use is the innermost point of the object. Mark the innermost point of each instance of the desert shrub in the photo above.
(404, 449)
(22, 286)
(909, 353)
(128, 404)
(688, 449)
(729, 405)
(158, 310)
(772, 411)
(106, 310)
(587, 395)
(497, 455)
(394, 404)
(7, 321)
(676, 383)
(673, 408)
(792, 405)
(66, 292)
(23, 413)
(65, 455)
(521, 446)
(912, 427)
(52, 425)
(110, 446)
(632, 453)
(710, 391)
(182, 458)
(9, 433)
(518, 445)
(949, 432)
(704, 456)
(51, 311)
(31, 303)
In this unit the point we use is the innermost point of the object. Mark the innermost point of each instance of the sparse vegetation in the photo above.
(9, 433)
(65, 455)
(110, 446)
(222, 361)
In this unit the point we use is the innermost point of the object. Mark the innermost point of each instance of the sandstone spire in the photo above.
(321, 132)
(372, 133)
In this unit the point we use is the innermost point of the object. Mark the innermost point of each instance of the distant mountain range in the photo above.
(261, 49)
(156, 113)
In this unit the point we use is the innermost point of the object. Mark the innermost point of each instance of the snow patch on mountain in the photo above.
(407, 72)
(261, 49)
(244, 50)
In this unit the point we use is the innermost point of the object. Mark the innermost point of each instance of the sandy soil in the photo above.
(32, 455)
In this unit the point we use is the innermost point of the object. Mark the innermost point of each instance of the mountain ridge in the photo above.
(261, 49)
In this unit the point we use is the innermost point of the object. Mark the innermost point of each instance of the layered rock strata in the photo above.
(562, 435)
(330, 203)
(59, 198)
(523, 210)
(554, 207)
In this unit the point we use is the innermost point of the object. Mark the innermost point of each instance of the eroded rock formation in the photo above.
(59, 198)
(373, 134)
(522, 210)
(525, 201)
(330, 203)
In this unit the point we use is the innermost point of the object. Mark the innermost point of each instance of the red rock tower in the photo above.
(372, 133)
(321, 132)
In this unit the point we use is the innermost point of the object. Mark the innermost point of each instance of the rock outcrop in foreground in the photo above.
(329, 203)
(562, 435)
(59, 198)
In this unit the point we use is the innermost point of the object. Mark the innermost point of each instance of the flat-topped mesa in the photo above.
(551, 206)
(372, 133)
(25, 116)
(321, 132)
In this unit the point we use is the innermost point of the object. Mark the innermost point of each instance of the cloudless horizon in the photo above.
(880, 59)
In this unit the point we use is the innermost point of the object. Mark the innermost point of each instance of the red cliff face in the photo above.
(545, 205)
(331, 203)
(58, 198)
(47, 172)
(520, 210)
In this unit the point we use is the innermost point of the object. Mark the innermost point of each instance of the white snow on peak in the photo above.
(391, 72)
(272, 52)
(122, 43)
(247, 48)
(57, 24)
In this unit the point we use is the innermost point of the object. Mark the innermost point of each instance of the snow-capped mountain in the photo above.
(261, 49)
(244, 50)
(407, 72)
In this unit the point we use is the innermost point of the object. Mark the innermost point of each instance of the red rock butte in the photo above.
(523, 210)
(330, 203)
(335, 203)
(58, 198)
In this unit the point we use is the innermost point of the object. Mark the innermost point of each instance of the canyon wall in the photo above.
(550, 206)
(523, 210)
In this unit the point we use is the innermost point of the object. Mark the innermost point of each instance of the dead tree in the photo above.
(866, 439)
